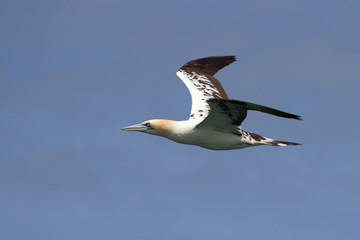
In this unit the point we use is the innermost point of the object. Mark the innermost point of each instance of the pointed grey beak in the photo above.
(138, 127)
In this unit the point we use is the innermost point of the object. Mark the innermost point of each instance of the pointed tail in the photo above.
(279, 143)
(255, 139)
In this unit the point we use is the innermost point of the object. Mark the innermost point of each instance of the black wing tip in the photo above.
(231, 58)
(226, 59)
(268, 110)
(293, 116)
(299, 118)
(209, 65)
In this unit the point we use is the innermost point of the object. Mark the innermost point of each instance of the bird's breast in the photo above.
(211, 139)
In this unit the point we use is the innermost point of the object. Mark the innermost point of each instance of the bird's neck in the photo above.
(173, 129)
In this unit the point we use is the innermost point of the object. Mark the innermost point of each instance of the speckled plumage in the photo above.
(215, 121)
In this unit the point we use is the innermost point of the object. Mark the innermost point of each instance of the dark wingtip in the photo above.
(209, 65)
(298, 118)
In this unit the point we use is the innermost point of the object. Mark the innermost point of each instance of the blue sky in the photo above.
(73, 73)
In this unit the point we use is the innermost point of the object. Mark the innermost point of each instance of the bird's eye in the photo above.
(147, 124)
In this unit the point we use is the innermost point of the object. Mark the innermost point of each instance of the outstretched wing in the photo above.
(198, 76)
(228, 114)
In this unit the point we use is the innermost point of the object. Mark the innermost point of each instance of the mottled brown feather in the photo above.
(208, 67)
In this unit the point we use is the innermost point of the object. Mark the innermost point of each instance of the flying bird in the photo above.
(215, 121)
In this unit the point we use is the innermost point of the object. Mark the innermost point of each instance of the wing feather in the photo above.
(198, 77)
(228, 114)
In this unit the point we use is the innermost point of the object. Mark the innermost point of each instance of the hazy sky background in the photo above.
(73, 73)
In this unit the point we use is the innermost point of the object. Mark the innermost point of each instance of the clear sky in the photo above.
(73, 73)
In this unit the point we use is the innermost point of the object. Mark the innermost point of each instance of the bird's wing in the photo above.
(228, 114)
(198, 76)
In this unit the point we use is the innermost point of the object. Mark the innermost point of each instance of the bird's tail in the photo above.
(280, 143)
(255, 139)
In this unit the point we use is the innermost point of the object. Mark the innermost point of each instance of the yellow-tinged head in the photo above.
(159, 127)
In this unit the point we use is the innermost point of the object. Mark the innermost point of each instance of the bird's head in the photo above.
(159, 127)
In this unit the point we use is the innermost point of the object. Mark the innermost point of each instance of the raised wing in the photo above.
(198, 76)
(228, 115)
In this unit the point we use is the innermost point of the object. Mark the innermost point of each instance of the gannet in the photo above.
(215, 120)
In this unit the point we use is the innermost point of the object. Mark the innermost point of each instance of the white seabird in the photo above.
(215, 120)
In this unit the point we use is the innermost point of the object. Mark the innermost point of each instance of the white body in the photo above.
(215, 120)
(186, 132)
